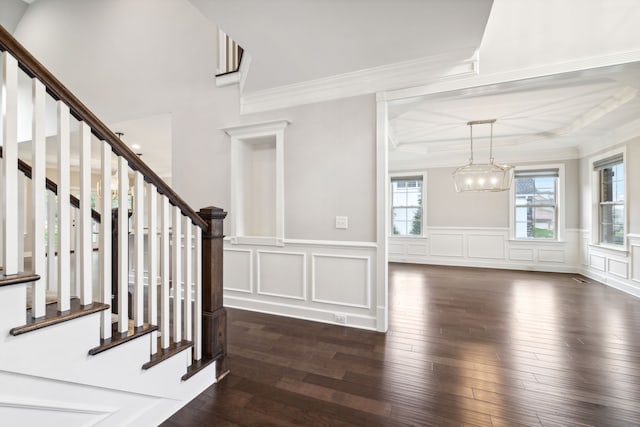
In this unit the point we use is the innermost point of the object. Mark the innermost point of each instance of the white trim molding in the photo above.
(242, 137)
(387, 77)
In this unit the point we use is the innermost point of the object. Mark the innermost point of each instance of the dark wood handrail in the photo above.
(52, 186)
(32, 67)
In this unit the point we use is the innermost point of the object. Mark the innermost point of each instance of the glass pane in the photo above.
(618, 224)
(399, 214)
(606, 224)
(414, 198)
(606, 185)
(522, 200)
(414, 221)
(399, 199)
(544, 223)
(524, 186)
(400, 228)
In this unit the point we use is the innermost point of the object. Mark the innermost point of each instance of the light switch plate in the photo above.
(342, 222)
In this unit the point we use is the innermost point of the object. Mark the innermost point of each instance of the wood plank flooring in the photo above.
(466, 347)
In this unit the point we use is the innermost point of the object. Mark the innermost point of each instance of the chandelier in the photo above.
(482, 176)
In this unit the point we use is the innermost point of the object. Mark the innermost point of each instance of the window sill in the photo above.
(538, 241)
(395, 236)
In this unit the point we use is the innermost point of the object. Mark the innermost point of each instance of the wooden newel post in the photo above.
(214, 315)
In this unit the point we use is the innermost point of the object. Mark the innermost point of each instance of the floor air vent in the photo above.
(580, 280)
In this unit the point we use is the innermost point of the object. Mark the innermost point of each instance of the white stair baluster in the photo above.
(177, 274)
(105, 239)
(138, 250)
(84, 253)
(38, 200)
(187, 271)
(21, 219)
(152, 263)
(75, 251)
(197, 312)
(64, 209)
(52, 224)
(123, 245)
(9, 117)
(164, 265)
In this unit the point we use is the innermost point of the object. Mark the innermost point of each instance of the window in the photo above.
(536, 204)
(406, 209)
(611, 191)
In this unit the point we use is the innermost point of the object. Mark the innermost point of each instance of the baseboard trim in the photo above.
(298, 312)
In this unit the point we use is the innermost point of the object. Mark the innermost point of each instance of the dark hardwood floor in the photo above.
(465, 347)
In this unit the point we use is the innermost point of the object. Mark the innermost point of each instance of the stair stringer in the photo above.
(49, 373)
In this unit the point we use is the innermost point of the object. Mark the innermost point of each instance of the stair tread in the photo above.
(165, 353)
(53, 317)
(14, 279)
(198, 365)
(118, 338)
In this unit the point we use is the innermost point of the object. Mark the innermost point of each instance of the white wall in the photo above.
(321, 272)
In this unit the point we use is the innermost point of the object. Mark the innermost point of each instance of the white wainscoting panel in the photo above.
(551, 255)
(634, 242)
(396, 248)
(521, 254)
(618, 268)
(282, 274)
(485, 246)
(597, 262)
(350, 288)
(447, 244)
(238, 270)
(417, 249)
(320, 280)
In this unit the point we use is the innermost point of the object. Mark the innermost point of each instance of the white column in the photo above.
(123, 245)
(85, 254)
(105, 239)
(9, 116)
(138, 250)
(164, 265)
(197, 321)
(64, 209)
(176, 281)
(152, 263)
(38, 199)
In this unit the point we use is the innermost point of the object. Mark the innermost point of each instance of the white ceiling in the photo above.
(292, 41)
(551, 116)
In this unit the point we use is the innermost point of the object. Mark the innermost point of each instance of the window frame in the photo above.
(560, 205)
(596, 183)
(408, 175)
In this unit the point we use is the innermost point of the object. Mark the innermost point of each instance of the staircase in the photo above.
(108, 316)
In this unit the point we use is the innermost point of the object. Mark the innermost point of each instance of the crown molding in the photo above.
(387, 77)
(479, 79)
